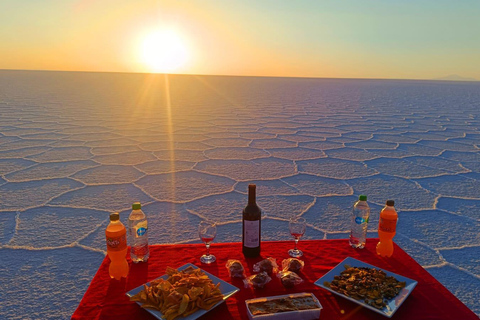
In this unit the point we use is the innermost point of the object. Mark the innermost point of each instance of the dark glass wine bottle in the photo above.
(251, 225)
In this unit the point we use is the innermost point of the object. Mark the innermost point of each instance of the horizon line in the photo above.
(248, 76)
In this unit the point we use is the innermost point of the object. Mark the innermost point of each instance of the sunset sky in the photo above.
(420, 39)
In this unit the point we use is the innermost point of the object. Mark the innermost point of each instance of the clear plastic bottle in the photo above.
(359, 222)
(387, 227)
(116, 236)
(138, 234)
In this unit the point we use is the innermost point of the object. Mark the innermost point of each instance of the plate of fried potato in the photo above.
(185, 293)
(369, 286)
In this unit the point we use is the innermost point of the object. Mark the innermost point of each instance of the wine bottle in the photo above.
(251, 225)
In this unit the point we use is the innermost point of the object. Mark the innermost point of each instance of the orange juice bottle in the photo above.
(116, 236)
(387, 226)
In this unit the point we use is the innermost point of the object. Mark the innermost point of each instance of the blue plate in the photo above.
(226, 288)
(392, 304)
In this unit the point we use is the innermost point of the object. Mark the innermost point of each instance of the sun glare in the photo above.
(164, 51)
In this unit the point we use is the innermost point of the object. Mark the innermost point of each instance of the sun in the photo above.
(163, 51)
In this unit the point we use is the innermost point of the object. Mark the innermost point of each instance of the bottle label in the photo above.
(387, 225)
(359, 220)
(251, 238)
(141, 229)
(117, 243)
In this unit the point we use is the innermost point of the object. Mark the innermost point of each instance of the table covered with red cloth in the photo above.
(106, 299)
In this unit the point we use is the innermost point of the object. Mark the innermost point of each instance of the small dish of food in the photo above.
(187, 293)
(285, 307)
(369, 286)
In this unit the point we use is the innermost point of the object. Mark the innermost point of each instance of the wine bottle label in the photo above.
(117, 243)
(252, 233)
(387, 225)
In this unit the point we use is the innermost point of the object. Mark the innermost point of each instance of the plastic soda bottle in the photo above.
(359, 222)
(387, 226)
(138, 233)
(116, 236)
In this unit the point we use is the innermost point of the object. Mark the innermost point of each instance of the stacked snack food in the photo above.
(292, 264)
(181, 294)
(289, 278)
(257, 281)
(268, 265)
(235, 269)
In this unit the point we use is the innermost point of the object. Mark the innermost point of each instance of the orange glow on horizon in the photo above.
(344, 39)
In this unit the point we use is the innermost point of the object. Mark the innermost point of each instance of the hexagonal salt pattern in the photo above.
(284, 207)
(407, 193)
(452, 185)
(7, 226)
(61, 226)
(11, 165)
(69, 158)
(108, 174)
(267, 187)
(50, 170)
(20, 195)
(463, 285)
(184, 186)
(63, 154)
(439, 229)
(268, 168)
(459, 206)
(466, 258)
(45, 284)
(335, 168)
(236, 153)
(111, 197)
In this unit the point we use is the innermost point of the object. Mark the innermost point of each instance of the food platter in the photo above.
(392, 304)
(310, 312)
(226, 289)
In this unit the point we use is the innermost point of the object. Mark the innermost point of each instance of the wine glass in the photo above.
(297, 227)
(207, 230)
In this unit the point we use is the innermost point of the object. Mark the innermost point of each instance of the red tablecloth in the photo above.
(106, 299)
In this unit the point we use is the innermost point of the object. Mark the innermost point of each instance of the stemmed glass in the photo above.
(297, 227)
(207, 230)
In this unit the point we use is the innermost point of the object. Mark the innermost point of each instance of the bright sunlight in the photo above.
(163, 51)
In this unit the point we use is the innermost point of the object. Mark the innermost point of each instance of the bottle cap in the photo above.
(390, 203)
(114, 216)
(136, 206)
(362, 197)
